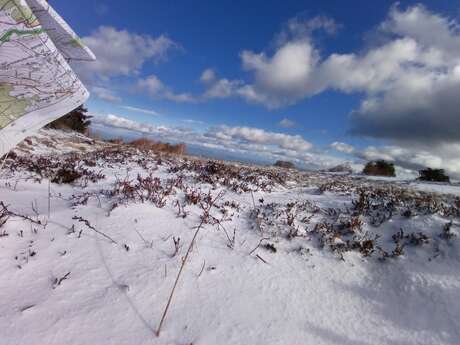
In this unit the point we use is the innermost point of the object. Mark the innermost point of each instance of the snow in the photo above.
(301, 294)
(441, 188)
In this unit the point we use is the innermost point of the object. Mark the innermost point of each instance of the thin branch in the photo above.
(178, 276)
(87, 223)
(184, 261)
(260, 258)
(258, 245)
(202, 269)
(11, 213)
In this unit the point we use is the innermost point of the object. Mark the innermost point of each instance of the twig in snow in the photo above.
(11, 213)
(184, 261)
(2, 164)
(260, 258)
(258, 245)
(176, 246)
(147, 244)
(253, 201)
(202, 269)
(49, 199)
(87, 223)
(35, 208)
(58, 281)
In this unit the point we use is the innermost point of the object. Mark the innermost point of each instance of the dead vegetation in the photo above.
(355, 227)
(239, 179)
(193, 182)
(146, 145)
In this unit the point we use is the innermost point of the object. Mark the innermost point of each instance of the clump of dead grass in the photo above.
(146, 144)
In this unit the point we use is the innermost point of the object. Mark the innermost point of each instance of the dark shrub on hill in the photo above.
(434, 175)
(379, 168)
(77, 120)
(284, 164)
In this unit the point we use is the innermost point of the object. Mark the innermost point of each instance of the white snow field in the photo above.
(282, 257)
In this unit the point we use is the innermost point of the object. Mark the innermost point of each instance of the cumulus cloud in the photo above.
(259, 136)
(222, 88)
(155, 88)
(406, 80)
(342, 147)
(284, 77)
(419, 90)
(105, 94)
(122, 53)
(208, 76)
(286, 123)
(409, 81)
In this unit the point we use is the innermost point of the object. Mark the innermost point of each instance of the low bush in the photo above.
(379, 168)
(284, 164)
(433, 175)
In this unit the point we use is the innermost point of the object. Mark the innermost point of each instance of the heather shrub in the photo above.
(379, 168)
(433, 175)
(284, 164)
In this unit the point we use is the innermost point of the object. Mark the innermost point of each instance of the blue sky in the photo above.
(309, 63)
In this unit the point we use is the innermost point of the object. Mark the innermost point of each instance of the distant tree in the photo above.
(77, 120)
(284, 164)
(434, 175)
(379, 168)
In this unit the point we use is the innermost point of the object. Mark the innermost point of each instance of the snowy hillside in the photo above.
(280, 257)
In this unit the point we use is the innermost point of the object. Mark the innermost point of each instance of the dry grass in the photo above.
(145, 144)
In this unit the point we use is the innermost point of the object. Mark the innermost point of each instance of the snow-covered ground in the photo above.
(281, 257)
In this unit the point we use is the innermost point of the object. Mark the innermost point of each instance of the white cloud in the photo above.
(260, 136)
(409, 79)
(208, 76)
(155, 88)
(222, 88)
(140, 110)
(420, 88)
(122, 53)
(184, 97)
(301, 26)
(429, 29)
(286, 123)
(283, 78)
(105, 94)
(342, 147)
(151, 84)
(419, 59)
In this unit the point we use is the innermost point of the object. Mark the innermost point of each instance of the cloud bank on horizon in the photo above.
(407, 79)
